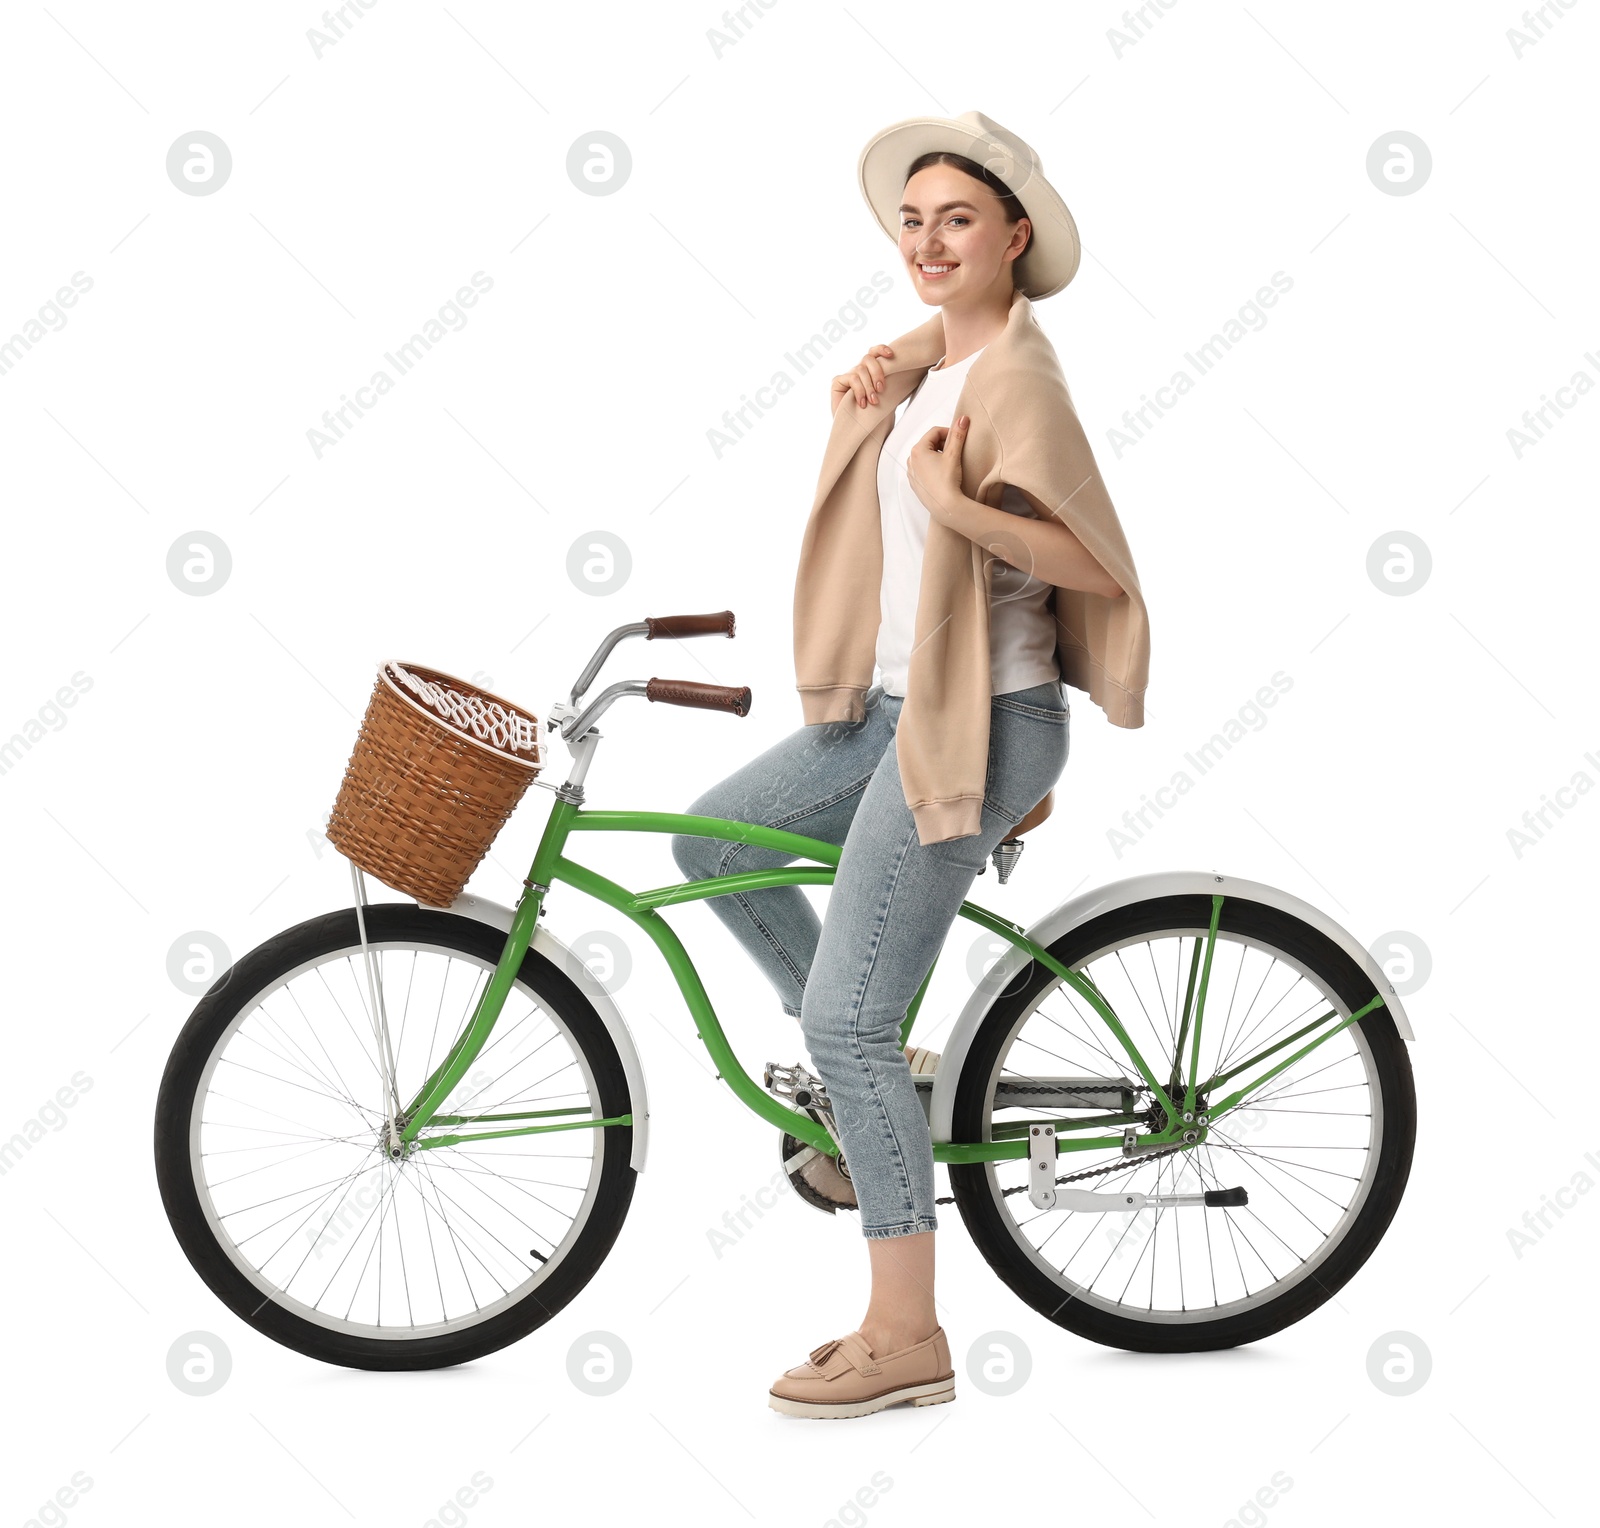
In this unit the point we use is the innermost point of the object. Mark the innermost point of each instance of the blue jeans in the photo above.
(850, 977)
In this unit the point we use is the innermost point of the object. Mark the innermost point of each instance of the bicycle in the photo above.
(360, 1201)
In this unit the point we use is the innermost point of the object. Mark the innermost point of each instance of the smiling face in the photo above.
(954, 237)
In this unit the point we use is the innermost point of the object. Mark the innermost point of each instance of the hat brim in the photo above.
(1053, 253)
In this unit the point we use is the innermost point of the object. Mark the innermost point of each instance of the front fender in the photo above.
(1103, 899)
(497, 915)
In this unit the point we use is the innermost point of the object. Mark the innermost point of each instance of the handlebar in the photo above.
(651, 628)
(574, 724)
(707, 697)
(688, 625)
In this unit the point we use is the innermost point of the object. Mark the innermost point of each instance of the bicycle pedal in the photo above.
(807, 1092)
(802, 1088)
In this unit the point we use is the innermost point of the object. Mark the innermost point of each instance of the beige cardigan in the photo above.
(1025, 432)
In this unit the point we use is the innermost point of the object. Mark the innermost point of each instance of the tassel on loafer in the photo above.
(845, 1378)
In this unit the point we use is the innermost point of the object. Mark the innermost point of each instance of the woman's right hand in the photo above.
(865, 381)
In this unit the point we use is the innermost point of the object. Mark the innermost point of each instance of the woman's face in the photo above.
(954, 237)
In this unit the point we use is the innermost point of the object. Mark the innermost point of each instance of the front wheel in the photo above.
(1323, 1150)
(269, 1144)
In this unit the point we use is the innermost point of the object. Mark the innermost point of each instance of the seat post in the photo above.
(1006, 854)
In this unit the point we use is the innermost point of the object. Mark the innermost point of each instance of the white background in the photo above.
(186, 788)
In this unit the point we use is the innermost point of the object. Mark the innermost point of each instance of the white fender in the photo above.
(1103, 899)
(496, 915)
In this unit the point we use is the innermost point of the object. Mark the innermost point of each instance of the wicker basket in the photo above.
(438, 767)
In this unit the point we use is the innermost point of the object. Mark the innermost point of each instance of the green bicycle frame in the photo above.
(551, 867)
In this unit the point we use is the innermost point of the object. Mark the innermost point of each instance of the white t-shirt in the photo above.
(1022, 634)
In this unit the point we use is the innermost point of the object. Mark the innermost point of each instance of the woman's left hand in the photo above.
(934, 468)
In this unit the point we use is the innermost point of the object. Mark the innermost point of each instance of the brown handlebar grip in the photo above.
(688, 625)
(707, 697)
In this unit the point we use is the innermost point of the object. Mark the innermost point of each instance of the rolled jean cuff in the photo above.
(923, 1223)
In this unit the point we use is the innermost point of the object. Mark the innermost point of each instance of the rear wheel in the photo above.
(1323, 1151)
(268, 1144)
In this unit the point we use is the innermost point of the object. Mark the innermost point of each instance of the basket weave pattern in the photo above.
(421, 801)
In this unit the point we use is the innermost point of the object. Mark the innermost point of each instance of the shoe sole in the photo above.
(931, 1394)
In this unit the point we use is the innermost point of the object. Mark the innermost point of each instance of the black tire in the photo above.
(563, 1274)
(977, 1191)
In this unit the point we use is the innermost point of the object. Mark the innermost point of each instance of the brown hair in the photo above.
(1010, 205)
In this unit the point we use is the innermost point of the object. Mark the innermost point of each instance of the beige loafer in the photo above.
(845, 1378)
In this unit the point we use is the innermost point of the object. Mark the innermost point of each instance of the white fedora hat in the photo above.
(1051, 258)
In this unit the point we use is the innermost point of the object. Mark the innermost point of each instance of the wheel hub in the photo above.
(1193, 1120)
(391, 1146)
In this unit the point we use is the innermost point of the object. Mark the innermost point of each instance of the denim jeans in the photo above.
(850, 976)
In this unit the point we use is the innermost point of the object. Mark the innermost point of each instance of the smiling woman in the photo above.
(976, 526)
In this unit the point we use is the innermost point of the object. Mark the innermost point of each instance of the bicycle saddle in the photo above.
(1036, 815)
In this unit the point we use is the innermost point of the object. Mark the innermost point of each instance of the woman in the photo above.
(966, 558)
